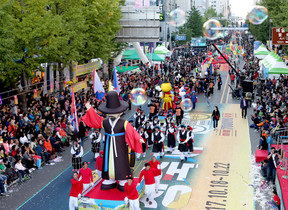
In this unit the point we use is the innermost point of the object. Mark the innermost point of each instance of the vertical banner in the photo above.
(1, 102)
(87, 77)
(51, 88)
(138, 4)
(74, 69)
(16, 99)
(64, 83)
(35, 93)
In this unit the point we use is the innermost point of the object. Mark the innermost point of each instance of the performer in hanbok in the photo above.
(118, 133)
(171, 139)
(158, 139)
(191, 137)
(183, 142)
(77, 153)
(148, 130)
(155, 122)
(144, 135)
(96, 137)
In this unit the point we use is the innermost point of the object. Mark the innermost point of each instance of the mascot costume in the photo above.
(167, 96)
(118, 134)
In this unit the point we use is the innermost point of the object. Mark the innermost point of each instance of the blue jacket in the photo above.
(242, 104)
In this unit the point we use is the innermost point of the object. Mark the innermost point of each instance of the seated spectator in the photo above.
(256, 121)
(48, 146)
(264, 165)
(276, 200)
(42, 151)
(56, 144)
(23, 138)
(21, 169)
(28, 159)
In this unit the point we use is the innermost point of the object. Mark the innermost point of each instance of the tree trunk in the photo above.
(105, 70)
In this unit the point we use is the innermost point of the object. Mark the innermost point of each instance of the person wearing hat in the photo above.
(158, 139)
(191, 137)
(118, 133)
(131, 194)
(75, 192)
(171, 139)
(183, 138)
(145, 136)
(99, 164)
(149, 175)
(155, 122)
(96, 137)
(77, 153)
(85, 174)
(168, 119)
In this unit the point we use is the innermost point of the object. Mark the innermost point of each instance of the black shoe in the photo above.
(108, 186)
(185, 158)
(161, 156)
(182, 160)
(121, 188)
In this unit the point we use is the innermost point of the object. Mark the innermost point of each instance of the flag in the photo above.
(110, 86)
(15, 99)
(1, 102)
(115, 81)
(35, 93)
(97, 86)
(74, 112)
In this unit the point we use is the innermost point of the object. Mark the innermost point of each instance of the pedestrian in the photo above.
(131, 194)
(179, 114)
(85, 174)
(158, 139)
(149, 175)
(244, 106)
(75, 192)
(194, 99)
(96, 137)
(170, 135)
(183, 139)
(99, 164)
(219, 82)
(77, 152)
(215, 117)
(156, 165)
(207, 97)
(191, 137)
(148, 130)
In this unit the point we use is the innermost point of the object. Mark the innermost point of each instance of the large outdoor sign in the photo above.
(279, 36)
(87, 68)
(180, 37)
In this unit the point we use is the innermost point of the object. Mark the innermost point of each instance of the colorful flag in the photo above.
(87, 77)
(1, 102)
(110, 86)
(64, 83)
(115, 81)
(35, 93)
(74, 112)
(15, 99)
(97, 86)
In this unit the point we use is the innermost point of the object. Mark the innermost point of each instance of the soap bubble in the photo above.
(186, 104)
(258, 15)
(138, 96)
(208, 32)
(177, 17)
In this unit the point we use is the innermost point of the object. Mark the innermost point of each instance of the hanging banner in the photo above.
(51, 88)
(16, 99)
(35, 93)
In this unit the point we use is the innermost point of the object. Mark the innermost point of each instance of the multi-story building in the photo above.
(218, 5)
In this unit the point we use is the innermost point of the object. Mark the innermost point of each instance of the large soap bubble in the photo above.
(138, 96)
(258, 15)
(207, 29)
(186, 105)
(177, 17)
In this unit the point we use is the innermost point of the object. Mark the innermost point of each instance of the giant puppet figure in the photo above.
(118, 134)
(167, 96)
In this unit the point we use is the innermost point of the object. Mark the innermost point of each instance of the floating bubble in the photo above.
(258, 15)
(177, 17)
(138, 96)
(208, 32)
(186, 104)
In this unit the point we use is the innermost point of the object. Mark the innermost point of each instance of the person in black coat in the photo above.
(215, 117)
(243, 106)
(273, 161)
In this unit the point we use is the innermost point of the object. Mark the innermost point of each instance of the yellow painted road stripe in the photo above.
(228, 92)
(224, 90)
(138, 166)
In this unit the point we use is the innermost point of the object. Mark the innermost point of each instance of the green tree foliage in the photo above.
(261, 32)
(193, 26)
(209, 13)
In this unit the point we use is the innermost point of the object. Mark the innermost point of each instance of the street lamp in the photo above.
(270, 22)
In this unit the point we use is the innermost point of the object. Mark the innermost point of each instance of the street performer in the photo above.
(75, 192)
(158, 139)
(183, 138)
(118, 133)
(131, 193)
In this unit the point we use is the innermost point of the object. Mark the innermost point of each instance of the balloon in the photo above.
(177, 17)
(258, 15)
(208, 32)
(186, 104)
(138, 96)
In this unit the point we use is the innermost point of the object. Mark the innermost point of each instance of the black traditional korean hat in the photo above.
(113, 105)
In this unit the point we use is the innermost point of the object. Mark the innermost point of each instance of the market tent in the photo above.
(261, 52)
(154, 57)
(129, 52)
(279, 68)
(122, 69)
(161, 50)
(270, 59)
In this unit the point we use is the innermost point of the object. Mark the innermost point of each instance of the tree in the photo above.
(210, 13)
(261, 32)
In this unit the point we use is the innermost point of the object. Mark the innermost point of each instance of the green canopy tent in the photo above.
(278, 68)
(123, 69)
(271, 60)
(129, 53)
(161, 50)
(261, 52)
(155, 57)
